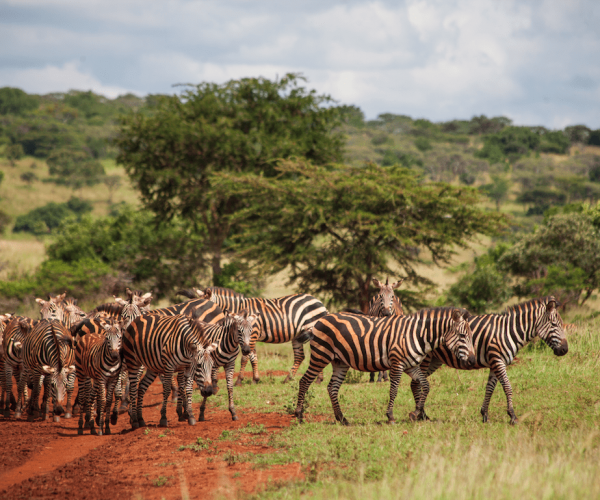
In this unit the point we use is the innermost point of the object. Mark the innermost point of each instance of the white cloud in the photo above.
(58, 79)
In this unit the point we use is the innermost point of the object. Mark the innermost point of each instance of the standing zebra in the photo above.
(48, 353)
(12, 349)
(497, 339)
(396, 343)
(233, 333)
(385, 303)
(4, 320)
(279, 320)
(98, 361)
(165, 345)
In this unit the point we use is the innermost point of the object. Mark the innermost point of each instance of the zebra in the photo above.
(98, 359)
(12, 349)
(396, 343)
(48, 353)
(4, 321)
(497, 339)
(231, 335)
(385, 303)
(165, 345)
(279, 320)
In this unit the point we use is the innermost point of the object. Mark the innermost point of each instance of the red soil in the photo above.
(46, 459)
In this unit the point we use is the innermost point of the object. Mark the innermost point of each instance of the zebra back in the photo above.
(97, 354)
(14, 334)
(200, 309)
(503, 335)
(163, 343)
(373, 344)
(225, 298)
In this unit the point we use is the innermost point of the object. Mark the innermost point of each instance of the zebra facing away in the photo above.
(385, 303)
(48, 353)
(231, 335)
(98, 362)
(395, 343)
(165, 345)
(279, 320)
(497, 339)
(4, 321)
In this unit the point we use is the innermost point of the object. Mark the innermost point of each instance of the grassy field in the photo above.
(553, 452)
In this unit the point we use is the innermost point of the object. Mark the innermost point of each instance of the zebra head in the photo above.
(58, 382)
(114, 336)
(73, 314)
(383, 304)
(550, 328)
(205, 363)
(51, 308)
(459, 337)
(4, 320)
(245, 324)
(135, 305)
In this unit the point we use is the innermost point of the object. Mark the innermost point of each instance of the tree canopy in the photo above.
(337, 227)
(240, 126)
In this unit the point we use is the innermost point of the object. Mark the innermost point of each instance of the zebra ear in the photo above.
(199, 293)
(377, 283)
(397, 284)
(551, 305)
(24, 326)
(207, 294)
(70, 369)
(456, 315)
(466, 315)
(41, 302)
(120, 301)
(48, 369)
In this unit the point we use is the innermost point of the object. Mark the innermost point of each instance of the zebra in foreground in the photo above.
(48, 353)
(497, 339)
(231, 335)
(166, 345)
(385, 303)
(279, 320)
(12, 349)
(4, 321)
(98, 362)
(395, 343)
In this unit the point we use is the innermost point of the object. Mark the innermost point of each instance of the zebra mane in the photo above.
(531, 302)
(423, 313)
(226, 291)
(110, 308)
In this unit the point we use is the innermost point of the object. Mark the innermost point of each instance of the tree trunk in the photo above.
(216, 265)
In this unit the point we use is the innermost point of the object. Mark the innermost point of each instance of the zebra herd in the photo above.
(118, 349)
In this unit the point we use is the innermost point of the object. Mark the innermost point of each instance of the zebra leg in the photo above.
(70, 390)
(7, 388)
(168, 381)
(243, 364)
(298, 358)
(333, 388)
(100, 405)
(215, 381)
(417, 375)
(489, 390)
(428, 366)
(82, 399)
(125, 382)
(46, 398)
(188, 383)
(395, 374)
(143, 387)
(90, 396)
(254, 362)
(320, 377)
(110, 390)
(34, 408)
(21, 384)
(371, 377)
(202, 408)
(133, 379)
(386, 376)
(380, 377)
(229, 369)
(305, 382)
(182, 401)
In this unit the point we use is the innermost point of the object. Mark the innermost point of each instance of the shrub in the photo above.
(14, 152)
(422, 144)
(5, 221)
(44, 219)
(28, 177)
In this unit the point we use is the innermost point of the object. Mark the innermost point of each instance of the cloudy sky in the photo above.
(537, 62)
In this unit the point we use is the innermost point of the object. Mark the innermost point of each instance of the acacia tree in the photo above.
(337, 227)
(240, 126)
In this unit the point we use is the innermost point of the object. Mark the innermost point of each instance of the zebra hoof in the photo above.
(141, 422)
(191, 421)
(107, 431)
(135, 425)
(87, 425)
(6, 413)
(413, 416)
(181, 418)
(201, 418)
(94, 432)
(238, 383)
(99, 432)
(256, 381)
(30, 418)
(163, 423)
(114, 418)
(80, 432)
(18, 414)
(68, 415)
(234, 417)
(56, 418)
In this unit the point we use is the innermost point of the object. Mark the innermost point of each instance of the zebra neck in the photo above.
(521, 324)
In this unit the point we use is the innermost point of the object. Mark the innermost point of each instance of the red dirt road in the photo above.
(49, 460)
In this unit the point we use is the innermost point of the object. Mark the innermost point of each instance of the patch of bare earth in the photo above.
(49, 460)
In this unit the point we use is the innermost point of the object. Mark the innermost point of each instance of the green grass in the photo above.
(553, 452)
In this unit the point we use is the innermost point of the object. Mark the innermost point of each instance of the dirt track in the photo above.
(49, 460)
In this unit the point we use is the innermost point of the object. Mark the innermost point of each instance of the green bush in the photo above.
(44, 219)
(16, 102)
(74, 168)
(5, 221)
(14, 152)
(422, 144)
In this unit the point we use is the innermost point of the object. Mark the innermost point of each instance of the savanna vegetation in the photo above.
(255, 183)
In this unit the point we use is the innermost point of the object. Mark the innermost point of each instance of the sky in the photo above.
(536, 62)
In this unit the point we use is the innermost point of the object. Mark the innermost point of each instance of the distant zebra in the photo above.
(497, 339)
(98, 361)
(231, 335)
(385, 303)
(396, 343)
(279, 320)
(12, 349)
(48, 353)
(165, 345)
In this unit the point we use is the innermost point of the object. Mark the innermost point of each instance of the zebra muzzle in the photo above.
(245, 350)
(471, 360)
(562, 349)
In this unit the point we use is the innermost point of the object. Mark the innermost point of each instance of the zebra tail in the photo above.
(305, 335)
